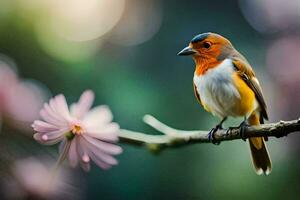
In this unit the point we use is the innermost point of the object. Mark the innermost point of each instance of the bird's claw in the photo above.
(228, 130)
(211, 135)
(243, 127)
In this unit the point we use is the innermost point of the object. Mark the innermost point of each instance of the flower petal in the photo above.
(46, 116)
(53, 113)
(99, 162)
(50, 137)
(55, 134)
(102, 155)
(104, 146)
(39, 138)
(62, 106)
(85, 102)
(82, 151)
(73, 156)
(107, 133)
(42, 127)
(98, 116)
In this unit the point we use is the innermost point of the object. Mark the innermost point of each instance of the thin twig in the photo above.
(176, 138)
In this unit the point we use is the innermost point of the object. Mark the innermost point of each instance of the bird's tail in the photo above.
(259, 152)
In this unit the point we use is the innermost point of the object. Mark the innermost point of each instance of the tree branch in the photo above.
(177, 138)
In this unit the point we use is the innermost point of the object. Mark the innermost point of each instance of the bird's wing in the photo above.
(247, 74)
(197, 94)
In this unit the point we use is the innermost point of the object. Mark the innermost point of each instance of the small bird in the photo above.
(225, 85)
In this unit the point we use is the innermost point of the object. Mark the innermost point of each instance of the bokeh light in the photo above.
(8, 77)
(283, 64)
(140, 22)
(32, 178)
(71, 30)
(33, 95)
(63, 49)
(20, 100)
(269, 16)
(82, 20)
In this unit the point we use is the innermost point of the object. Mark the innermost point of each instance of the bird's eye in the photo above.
(206, 45)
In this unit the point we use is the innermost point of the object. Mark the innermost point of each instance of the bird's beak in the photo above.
(187, 51)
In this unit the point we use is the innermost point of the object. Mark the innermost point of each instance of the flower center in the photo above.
(77, 129)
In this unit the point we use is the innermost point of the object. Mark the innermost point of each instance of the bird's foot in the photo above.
(211, 134)
(243, 127)
(228, 131)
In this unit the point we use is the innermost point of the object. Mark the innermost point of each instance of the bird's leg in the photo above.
(214, 130)
(243, 127)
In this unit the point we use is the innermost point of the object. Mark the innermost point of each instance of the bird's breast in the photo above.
(219, 93)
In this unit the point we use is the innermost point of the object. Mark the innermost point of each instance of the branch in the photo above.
(177, 138)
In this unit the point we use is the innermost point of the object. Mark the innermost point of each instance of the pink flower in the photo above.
(31, 178)
(8, 78)
(91, 132)
(32, 96)
(20, 100)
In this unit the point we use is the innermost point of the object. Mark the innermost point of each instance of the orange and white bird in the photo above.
(225, 85)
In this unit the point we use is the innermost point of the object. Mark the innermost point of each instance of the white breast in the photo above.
(216, 89)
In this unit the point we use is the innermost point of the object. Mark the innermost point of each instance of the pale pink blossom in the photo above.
(20, 100)
(32, 178)
(8, 79)
(25, 100)
(91, 132)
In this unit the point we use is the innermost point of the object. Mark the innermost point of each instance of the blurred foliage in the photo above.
(150, 78)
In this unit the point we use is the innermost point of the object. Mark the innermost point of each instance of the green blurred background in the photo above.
(125, 51)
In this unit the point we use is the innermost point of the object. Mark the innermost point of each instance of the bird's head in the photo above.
(207, 46)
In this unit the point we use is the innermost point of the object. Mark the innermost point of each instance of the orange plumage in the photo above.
(225, 85)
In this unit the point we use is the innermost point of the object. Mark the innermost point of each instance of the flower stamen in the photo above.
(76, 129)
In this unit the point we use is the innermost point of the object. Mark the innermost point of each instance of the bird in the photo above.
(225, 85)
